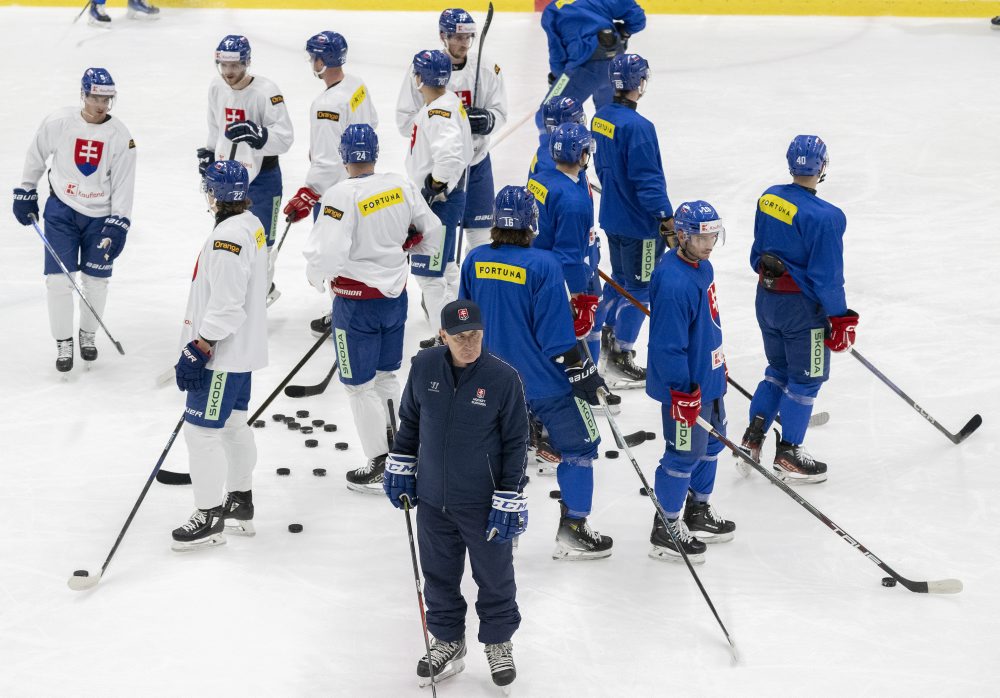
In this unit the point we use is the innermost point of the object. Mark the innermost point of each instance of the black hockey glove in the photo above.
(582, 375)
(667, 232)
(433, 190)
(552, 79)
(247, 132)
(205, 159)
(481, 121)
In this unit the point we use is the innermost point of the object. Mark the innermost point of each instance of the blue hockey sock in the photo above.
(703, 479)
(576, 481)
(765, 402)
(627, 327)
(795, 411)
(671, 489)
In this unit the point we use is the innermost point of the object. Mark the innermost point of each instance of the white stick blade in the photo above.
(83, 583)
(945, 586)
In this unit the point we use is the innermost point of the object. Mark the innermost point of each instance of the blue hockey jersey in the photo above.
(685, 330)
(807, 234)
(571, 28)
(627, 159)
(526, 312)
(566, 225)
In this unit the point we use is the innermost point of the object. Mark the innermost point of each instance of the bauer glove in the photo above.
(247, 132)
(25, 205)
(190, 368)
(113, 236)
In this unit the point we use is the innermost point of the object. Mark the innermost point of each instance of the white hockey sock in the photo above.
(271, 259)
(388, 388)
(59, 295)
(96, 290)
(475, 237)
(241, 452)
(369, 418)
(207, 461)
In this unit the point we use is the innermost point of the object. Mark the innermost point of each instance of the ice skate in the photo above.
(273, 294)
(705, 523)
(368, 478)
(753, 442)
(614, 404)
(64, 359)
(97, 16)
(995, 22)
(622, 372)
(434, 341)
(501, 659)
(140, 9)
(203, 530)
(664, 548)
(237, 510)
(446, 659)
(547, 458)
(88, 347)
(794, 465)
(321, 325)
(576, 540)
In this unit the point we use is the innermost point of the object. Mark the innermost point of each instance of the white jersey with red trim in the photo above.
(260, 102)
(492, 96)
(339, 106)
(93, 165)
(361, 229)
(440, 142)
(227, 303)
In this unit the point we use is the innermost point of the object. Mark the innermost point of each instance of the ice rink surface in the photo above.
(909, 108)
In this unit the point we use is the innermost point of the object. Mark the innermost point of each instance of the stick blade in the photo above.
(819, 419)
(295, 391)
(166, 477)
(636, 439)
(83, 583)
(118, 346)
(972, 425)
(945, 586)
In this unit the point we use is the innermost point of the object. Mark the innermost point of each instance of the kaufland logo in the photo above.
(463, 314)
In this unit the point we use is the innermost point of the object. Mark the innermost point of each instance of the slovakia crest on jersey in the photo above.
(87, 155)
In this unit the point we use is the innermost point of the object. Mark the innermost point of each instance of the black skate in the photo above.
(64, 360)
(88, 347)
(794, 465)
(547, 458)
(368, 478)
(237, 510)
(995, 22)
(622, 372)
(320, 325)
(97, 16)
(140, 9)
(663, 545)
(607, 344)
(446, 659)
(434, 341)
(576, 540)
(753, 442)
(203, 530)
(614, 404)
(705, 523)
(501, 659)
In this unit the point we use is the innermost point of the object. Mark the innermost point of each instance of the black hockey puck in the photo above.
(650, 435)
(555, 494)
(319, 472)
(318, 423)
(289, 419)
(312, 443)
(283, 471)
(329, 427)
(294, 426)
(278, 417)
(302, 413)
(295, 528)
(340, 445)
(611, 454)
(306, 430)
(642, 492)
(259, 423)
(888, 581)
(81, 573)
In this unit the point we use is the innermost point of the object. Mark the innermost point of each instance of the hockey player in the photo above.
(798, 254)
(368, 224)
(224, 340)
(457, 30)
(635, 211)
(344, 101)
(88, 214)
(460, 450)
(687, 374)
(137, 9)
(529, 325)
(555, 111)
(248, 111)
(583, 37)
(440, 151)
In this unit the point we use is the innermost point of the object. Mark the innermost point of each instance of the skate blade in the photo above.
(623, 383)
(366, 489)
(455, 666)
(142, 16)
(235, 527)
(568, 554)
(790, 478)
(668, 555)
(709, 538)
(203, 544)
(614, 410)
(546, 469)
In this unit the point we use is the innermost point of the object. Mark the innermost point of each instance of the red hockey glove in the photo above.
(685, 407)
(301, 205)
(413, 237)
(840, 333)
(584, 307)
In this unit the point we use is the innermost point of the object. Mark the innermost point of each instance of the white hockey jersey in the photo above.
(261, 102)
(339, 106)
(228, 299)
(93, 165)
(440, 142)
(361, 229)
(492, 95)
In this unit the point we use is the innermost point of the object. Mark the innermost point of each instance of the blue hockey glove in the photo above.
(190, 368)
(205, 159)
(113, 236)
(25, 205)
(247, 132)
(433, 190)
(481, 121)
(400, 479)
(508, 517)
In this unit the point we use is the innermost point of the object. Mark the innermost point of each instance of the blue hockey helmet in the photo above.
(627, 71)
(699, 218)
(97, 82)
(807, 156)
(515, 209)
(456, 21)
(569, 142)
(226, 180)
(359, 143)
(233, 49)
(329, 47)
(433, 68)
(562, 110)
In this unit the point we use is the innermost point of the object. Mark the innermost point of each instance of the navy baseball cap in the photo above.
(461, 316)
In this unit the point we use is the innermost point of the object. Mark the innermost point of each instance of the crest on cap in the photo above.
(463, 314)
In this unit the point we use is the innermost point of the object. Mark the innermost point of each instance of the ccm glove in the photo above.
(433, 190)
(668, 233)
(190, 368)
(481, 121)
(508, 517)
(113, 236)
(400, 479)
(247, 132)
(582, 375)
(685, 407)
(206, 157)
(25, 205)
(413, 237)
(840, 334)
(584, 308)
(300, 205)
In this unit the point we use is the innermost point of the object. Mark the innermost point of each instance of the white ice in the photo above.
(910, 110)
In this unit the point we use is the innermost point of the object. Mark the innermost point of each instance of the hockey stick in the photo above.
(416, 566)
(48, 246)
(958, 438)
(84, 582)
(297, 391)
(814, 421)
(166, 477)
(941, 586)
(85, 7)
